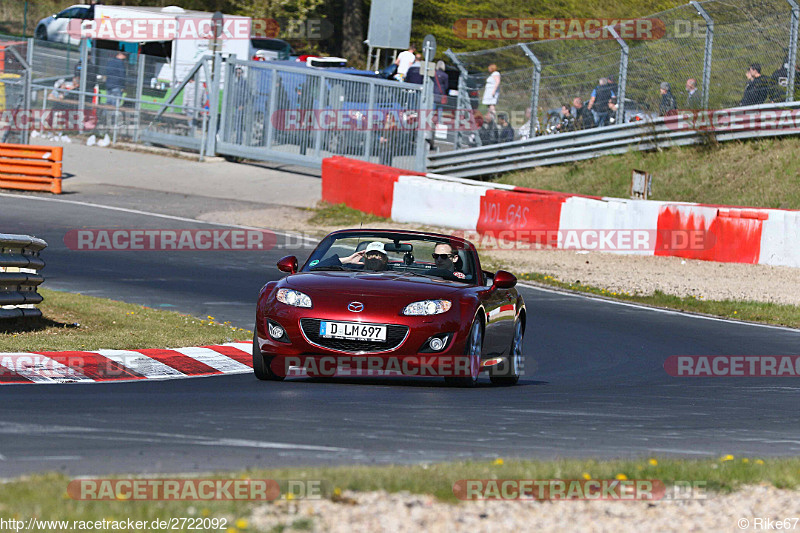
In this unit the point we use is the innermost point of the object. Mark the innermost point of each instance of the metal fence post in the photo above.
(792, 50)
(28, 88)
(623, 75)
(213, 104)
(537, 78)
(82, 85)
(423, 118)
(707, 52)
(317, 108)
(462, 101)
(273, 97)
(139, 88)
(369, 126)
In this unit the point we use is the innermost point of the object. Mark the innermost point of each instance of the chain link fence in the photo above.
(706, 47)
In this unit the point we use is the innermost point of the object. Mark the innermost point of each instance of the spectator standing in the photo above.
(759, 89)
(441, 82)
(602, 96)
(404, 61)
(668, 103)
(583, 117)
(693, 98)
(524, 131)
(506, 133)
(491, 90)
(489, 132)
(115, 78)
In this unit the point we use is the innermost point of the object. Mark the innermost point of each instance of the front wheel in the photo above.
(508, 372)
(41, 33)
(474, 349)
(261, 364)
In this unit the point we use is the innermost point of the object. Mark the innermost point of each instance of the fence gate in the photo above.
(296, 115)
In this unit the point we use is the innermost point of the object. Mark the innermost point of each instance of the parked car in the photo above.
(54, 28)
(409, 307)
(266, 49)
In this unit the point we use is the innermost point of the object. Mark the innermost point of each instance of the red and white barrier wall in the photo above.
(731, 234)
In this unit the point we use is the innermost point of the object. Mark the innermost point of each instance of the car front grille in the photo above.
(395, 335)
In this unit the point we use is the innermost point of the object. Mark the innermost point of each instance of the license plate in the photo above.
(351, 331)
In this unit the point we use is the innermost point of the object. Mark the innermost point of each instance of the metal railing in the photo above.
(220, 106)
(712, 42)
(677, 130)
(19, 277)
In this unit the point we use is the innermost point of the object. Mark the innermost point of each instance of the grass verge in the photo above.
(760, 173)
(326, 214)
(767, 313)
(45, 495)
(79, 322)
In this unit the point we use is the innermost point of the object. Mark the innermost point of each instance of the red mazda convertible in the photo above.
(383, 302)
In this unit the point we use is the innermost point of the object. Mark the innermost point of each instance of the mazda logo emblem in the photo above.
(355, 307)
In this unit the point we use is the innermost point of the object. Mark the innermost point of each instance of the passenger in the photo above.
(448, 260)
(375, 258)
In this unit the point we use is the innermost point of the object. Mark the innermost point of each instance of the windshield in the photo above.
(386, 252)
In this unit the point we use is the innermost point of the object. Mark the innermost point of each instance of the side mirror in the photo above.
(504, 280)
(289, 264)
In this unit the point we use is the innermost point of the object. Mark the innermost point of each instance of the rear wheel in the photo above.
(507, 372)
(474, 349)
(261, 364)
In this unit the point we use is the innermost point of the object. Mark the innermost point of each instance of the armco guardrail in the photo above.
(19, 277)
(31, 168)
(740, 123)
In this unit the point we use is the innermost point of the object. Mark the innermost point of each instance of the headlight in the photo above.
(293, 298)
(427, 307)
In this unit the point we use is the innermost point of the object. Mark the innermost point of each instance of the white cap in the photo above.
(375, 247)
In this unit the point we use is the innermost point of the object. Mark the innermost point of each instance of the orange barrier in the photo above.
(31, 168)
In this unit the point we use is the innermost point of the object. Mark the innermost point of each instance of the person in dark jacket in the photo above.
(583, 117)
(489, 132)
(668, 103)
(602, 95)
(506, 133)
(759, 89)
(115, 78)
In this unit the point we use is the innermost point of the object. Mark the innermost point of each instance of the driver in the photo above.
(447, 258)
(375, 257)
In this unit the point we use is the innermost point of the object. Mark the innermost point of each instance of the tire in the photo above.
(41, 33)
(507, 373)
(261, 364)
(474, 349)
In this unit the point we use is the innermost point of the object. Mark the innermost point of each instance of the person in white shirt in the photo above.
(404, 60)
(492, 89)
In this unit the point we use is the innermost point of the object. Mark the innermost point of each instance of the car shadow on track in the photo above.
(407, 382)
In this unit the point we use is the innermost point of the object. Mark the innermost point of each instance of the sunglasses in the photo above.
(443, 256)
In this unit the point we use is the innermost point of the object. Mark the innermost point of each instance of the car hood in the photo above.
(387, 284)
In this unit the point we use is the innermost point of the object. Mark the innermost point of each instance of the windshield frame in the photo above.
(370, 234)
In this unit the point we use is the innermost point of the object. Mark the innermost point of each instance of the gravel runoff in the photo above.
(615, 272)
(404, 512)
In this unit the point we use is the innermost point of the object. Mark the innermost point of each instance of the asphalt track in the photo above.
(594, 385)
